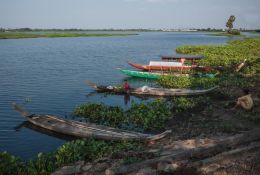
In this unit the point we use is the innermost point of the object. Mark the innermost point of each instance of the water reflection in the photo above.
(31, 126)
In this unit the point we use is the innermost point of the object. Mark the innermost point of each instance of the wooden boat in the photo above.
(157, 75)
(170, 66)
(149, 75)
(183, 57)
(85, 130)
(150, 91)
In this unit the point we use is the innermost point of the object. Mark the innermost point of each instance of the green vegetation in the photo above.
(226, 55)
(184, 82)
(147, 116)
(17, 35)
(68, 153)
(226, 34)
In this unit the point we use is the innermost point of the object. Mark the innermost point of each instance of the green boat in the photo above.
(157, 75)
(150, 75)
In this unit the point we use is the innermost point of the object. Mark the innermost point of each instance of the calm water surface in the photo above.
(50, 73)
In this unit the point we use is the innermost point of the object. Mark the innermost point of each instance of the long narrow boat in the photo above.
(157, 75)
(185, 57)
(170, 66)
(85, 130)
(150, 91)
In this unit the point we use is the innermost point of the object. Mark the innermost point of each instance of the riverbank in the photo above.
(194, 119)
(20, 35)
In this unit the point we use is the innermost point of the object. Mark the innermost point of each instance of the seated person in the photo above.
(246, 101)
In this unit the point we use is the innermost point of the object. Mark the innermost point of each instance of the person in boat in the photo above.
(126, 87)
(246, 101)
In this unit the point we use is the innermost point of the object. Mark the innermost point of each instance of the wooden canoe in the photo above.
(186, 57)
(157, 75)
(85, 130)
(150, 91)
(171, 68)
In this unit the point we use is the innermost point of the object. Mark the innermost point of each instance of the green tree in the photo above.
(229, 23)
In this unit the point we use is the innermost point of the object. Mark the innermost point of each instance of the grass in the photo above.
(19, 35)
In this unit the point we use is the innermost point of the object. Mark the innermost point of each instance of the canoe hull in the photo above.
(171, 68)
(148, 75)
(85, 130)
(157, 75)
(155, 91)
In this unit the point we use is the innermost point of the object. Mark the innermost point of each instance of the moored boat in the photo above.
(157, 75)
(185, 57)
(170, 66)
(150, 91)
(85, 130)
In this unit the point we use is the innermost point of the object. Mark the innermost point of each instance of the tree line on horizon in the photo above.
(142, 30)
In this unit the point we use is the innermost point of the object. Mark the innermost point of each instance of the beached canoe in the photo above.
(85, 130)
(150, 91)
(157, 75)
(170, 66)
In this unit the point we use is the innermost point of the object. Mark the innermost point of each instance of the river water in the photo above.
(48, 76)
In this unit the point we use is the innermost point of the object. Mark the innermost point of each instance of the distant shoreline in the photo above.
(20, 35)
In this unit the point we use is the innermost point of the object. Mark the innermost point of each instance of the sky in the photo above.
(125, 14)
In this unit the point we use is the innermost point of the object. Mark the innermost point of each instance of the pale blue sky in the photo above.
(96, 14)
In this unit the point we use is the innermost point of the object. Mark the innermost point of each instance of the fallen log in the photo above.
(196, 153)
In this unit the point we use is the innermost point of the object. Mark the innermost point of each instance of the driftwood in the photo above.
(240, 66)
(195, 154)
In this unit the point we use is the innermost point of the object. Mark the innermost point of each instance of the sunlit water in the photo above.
(48, 74)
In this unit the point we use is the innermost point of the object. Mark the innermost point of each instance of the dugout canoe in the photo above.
(84, 130)
(150, 91)
(157, 75)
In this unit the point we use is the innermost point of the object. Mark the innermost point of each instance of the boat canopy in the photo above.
(163, 63)
(186, 57)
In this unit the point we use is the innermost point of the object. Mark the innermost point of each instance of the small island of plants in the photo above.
(19, 35)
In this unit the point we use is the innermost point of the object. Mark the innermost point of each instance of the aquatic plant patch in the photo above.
(225, 55)
(66, 154)
(146, 116)
(17, 35)
(187, 82)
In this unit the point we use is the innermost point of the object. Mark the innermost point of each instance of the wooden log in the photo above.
(196, 153)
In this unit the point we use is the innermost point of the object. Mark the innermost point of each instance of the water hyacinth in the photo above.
(147, 116)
